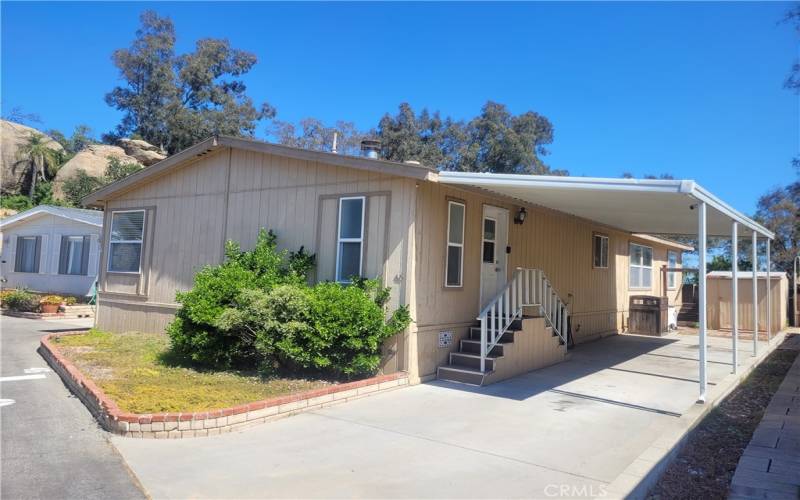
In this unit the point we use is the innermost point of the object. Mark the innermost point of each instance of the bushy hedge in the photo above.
(20, 300)
(256, 310)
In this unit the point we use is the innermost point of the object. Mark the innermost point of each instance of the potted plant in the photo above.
(50, 303)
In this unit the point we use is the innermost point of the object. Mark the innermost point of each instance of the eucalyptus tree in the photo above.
(175, 100)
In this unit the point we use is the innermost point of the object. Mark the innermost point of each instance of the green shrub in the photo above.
(21, 300)
(349, 327)
(257, 310)
(195, 333)
(329, 328)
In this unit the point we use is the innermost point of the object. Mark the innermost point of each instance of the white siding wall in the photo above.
(50, 228)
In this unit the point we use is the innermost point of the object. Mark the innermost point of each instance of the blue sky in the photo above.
(693, 89)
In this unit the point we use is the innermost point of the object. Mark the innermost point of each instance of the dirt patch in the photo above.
(706, 465)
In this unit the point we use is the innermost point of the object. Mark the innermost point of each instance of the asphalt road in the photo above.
(51, 446)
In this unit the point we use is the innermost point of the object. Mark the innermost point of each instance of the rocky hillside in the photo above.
(92, 159)
(14, 171)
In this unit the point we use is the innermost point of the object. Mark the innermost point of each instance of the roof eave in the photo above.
(96, 198)
(388, 167)
(702, 194)
(28, 214)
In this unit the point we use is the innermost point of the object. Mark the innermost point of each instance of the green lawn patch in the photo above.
(137, 371)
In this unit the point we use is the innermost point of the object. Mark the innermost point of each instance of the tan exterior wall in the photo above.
(558, 243)
(230, 195)
(719, 299)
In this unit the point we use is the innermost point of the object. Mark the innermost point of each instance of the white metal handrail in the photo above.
(527, 287)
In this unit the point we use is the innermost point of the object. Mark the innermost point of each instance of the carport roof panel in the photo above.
(654, 206)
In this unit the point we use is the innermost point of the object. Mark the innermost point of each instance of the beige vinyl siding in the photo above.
(197, 207)
(558, 243)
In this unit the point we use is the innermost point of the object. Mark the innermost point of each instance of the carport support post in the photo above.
(735, 293)
(769, 293)
(701, 281)
(755, 293)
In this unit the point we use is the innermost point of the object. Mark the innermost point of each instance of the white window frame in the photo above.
(359, 240)
(140, 242)
(640, 266)
(36, 257)
(71, 238)
(460, 284)
(672, 275)
(602, 237)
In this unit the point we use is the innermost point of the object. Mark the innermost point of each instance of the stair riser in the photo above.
(475, 334)
(456, 376)
(475, 348)
(471, 362)
(515, 325)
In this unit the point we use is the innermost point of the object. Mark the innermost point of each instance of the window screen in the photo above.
(125, 247)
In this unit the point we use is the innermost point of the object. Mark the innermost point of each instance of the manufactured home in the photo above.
(51, 249)
(500, 272)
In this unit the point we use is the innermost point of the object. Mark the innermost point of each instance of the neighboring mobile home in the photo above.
(51, 249)
(453, 247)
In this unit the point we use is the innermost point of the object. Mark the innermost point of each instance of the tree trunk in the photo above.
(33, 181)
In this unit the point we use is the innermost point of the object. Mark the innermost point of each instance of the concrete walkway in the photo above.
(568, 430)
(770, 465)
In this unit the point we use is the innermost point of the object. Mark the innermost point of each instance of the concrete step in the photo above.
(472, 361)
(461, 374)
(474, 347)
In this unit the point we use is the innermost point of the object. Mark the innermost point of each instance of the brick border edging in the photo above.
(206, 423)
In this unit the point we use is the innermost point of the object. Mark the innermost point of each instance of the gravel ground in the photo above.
(706, 464)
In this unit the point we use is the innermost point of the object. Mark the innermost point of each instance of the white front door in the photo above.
(494, 240)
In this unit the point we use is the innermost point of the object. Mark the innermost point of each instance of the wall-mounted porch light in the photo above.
(520, 217)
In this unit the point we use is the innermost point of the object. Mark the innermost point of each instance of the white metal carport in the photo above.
(654, 206)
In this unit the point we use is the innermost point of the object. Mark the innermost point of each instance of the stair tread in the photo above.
(461, 369)
(474, 355)
(478, 342)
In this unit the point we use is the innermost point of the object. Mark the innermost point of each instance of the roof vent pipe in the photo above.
(370, 148)
(335, 136)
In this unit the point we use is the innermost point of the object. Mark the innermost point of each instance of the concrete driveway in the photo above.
(569, 429)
